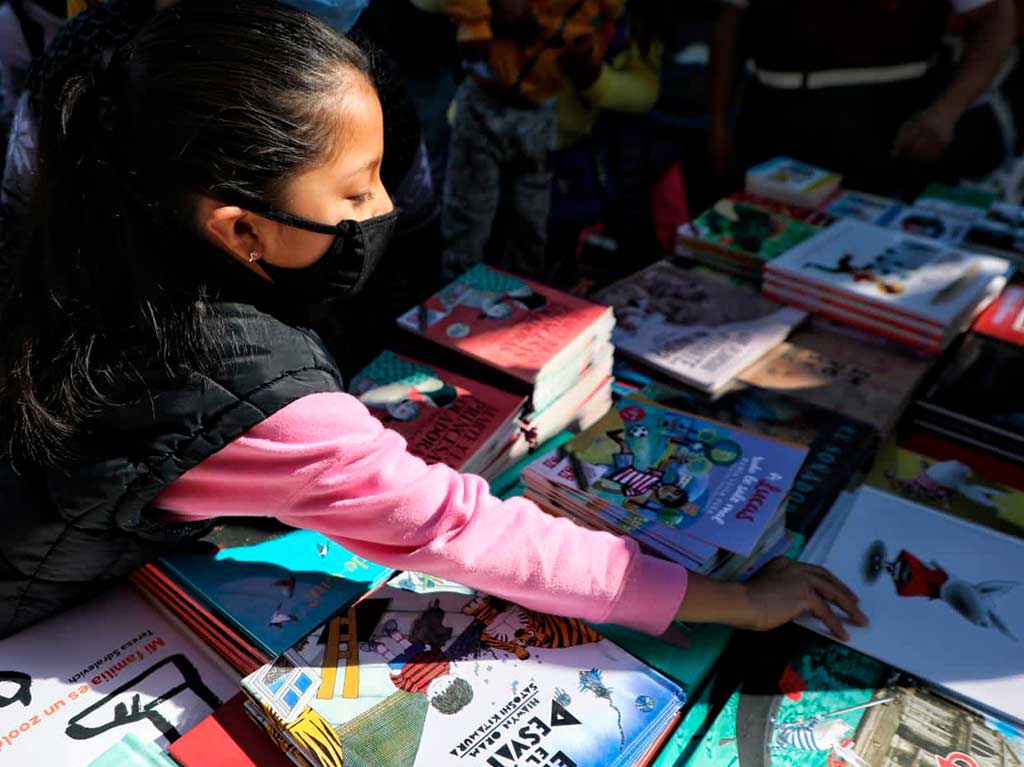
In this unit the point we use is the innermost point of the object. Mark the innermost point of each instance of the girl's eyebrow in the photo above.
(371, 165)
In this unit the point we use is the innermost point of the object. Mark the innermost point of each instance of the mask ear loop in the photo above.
(262, 209)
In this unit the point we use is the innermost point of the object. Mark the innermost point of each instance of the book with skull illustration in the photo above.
(449, 678)
(74, 687)
(806, 701)
(919, 289)
(699, 328)
(945, 596)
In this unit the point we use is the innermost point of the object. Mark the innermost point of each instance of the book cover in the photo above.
(131, 751)
(463, 679)
(949, 485)
(902, 275)
(505, 321)
(960, 201)
(74, 686)
(863, 207)
(747, 230)
(924, 222)
(1000, 229)
(700, 328)
(1004, 318)
(276, 584)
(863, 382)
(809, 216)
(228, 738)
(837, 446)
(945, 597)
(679, 475)
(444, 417)
(789, 180)
(804, 701)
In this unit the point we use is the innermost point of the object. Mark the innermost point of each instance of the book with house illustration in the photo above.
(700, 328)
(444, 417)
(410, 679)
(805, 701)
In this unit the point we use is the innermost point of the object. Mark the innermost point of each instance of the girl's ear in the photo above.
(232, 229)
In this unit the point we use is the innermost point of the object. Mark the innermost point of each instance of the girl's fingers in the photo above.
(835, 592)
(820, 610)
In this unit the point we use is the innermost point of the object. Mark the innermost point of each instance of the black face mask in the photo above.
(343, 269)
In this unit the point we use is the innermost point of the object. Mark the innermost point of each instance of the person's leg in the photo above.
(530, 192)
(472, 181)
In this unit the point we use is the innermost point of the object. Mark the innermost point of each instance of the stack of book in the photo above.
(698, 328)
(975, 399)
(963, 202)
(793, 182)
(250, 590)
(554, 348)
(444, 417)
(445, 676)
(698, 492)
(869, 208)
(945, 595)
(916, 291)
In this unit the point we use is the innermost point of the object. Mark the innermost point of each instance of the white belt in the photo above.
(837, 78)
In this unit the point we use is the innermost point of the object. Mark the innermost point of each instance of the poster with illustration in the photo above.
(432, 679)
(945, 597)
(73, 687)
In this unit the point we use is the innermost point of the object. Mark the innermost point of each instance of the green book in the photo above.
(132, 751)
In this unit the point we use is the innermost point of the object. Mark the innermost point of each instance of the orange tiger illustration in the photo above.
(533, 629)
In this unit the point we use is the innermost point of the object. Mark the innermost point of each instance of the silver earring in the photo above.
(253, 257)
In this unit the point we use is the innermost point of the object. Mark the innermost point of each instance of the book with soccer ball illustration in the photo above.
(408, 679)
(700, 328)
(444, 417)
(945, 596)
(805, 701)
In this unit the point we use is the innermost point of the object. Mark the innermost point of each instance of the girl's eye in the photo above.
(360, 199)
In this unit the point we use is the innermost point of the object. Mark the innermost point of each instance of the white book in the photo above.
(788, 180)
(945, 597)
(909, 276)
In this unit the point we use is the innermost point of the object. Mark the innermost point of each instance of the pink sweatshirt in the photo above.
(325, 463)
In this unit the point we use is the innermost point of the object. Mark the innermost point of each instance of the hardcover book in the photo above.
(797, 183)
(1004, 318)
(924, 222)
(410, 679)
(699, 328)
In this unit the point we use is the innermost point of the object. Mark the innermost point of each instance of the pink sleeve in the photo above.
(326, 464)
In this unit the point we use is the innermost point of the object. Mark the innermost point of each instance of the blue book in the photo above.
(274, 586)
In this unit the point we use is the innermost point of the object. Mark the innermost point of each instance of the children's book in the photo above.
(228, 738)
(925, 222)
(675, 476)
(75, 686)
(1004, 318)
(444, 417)
(510, 323)
(863, 207)
(891, 276)
(274, 584)
(1000, 230)
(949, 485)
(132, 751)
(435, 679)
(809, 216)
(838, 373)
(804, 701)
(794, 182)
(838, 447)
(960, 201)
(699, 328)
(945, 597)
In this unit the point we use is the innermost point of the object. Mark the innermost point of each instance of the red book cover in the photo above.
(1004, 319)
(505, 321)
(445, 417)
(228, 738)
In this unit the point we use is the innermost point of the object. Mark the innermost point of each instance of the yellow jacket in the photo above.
(510, 59)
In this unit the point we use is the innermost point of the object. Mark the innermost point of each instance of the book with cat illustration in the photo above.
(444, 417)
(434, 679)
(699, 328)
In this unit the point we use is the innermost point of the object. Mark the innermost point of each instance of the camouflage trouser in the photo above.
(498, 154)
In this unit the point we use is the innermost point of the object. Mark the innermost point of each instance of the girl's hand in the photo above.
(781, 591)
(785, 589)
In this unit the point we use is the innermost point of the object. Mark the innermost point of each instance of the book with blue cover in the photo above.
(274, 586)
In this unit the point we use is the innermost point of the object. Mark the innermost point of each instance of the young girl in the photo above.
(155, 369)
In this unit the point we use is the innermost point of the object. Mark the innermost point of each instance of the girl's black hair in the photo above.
(228, 98)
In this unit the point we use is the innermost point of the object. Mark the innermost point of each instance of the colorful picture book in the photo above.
(949, 485)
(804, 701)
(228, 738)
(444, 417)
(960, 201)
(838, 373)
(530, 331)
(678, 483)
(273, 586)
(868, 208)
(1004, 318)
(793, 182)
(434, 679)
(74, 687)
(698, 328)
(917, 291)
(925, 222)
(945, 596)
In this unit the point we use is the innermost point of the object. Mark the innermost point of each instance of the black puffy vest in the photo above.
(67, 532)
